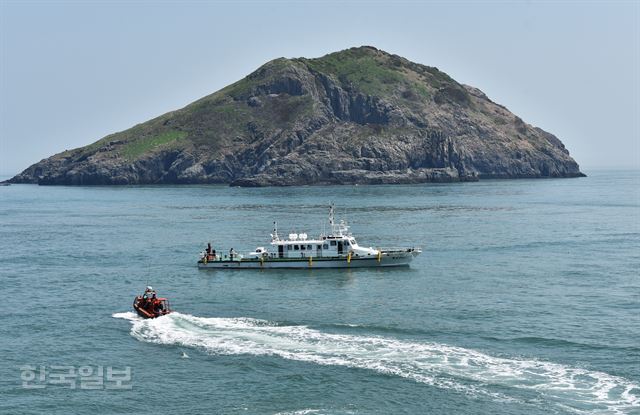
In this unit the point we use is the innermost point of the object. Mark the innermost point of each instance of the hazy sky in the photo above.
(72, 72)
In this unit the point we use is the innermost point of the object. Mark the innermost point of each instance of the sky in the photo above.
(72, 72)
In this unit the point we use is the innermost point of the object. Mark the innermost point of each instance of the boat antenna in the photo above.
(331, 219)
(146, 282)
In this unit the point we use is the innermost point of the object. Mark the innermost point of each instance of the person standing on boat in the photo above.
(231, 253)
(211, 253)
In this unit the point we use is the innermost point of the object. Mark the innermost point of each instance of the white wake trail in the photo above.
(449, 367)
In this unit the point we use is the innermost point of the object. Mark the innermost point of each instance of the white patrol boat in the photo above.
(338, 249)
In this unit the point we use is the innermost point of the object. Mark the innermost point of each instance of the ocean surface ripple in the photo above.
(525, 300)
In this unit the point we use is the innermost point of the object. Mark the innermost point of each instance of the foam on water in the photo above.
(464, 370)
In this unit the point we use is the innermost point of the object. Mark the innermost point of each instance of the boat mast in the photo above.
(331, 215)
(332, 219)
(336, 229)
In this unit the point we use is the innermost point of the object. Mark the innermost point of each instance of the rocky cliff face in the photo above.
(355, 116)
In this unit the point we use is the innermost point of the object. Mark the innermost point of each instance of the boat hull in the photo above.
(146, 313)
(387, 260)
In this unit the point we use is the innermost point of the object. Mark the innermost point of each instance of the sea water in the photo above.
(525, 300)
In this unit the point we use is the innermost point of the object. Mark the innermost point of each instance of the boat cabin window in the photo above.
(303, 247)
(319, 246)
(288, 247)
(325, 246)
(333, 243)
(309, 247)
(353, 241)
(296, 247)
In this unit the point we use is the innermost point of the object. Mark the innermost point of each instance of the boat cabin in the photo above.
(339, 243)
(325, 247)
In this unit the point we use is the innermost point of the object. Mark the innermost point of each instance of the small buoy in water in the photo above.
(184, 356)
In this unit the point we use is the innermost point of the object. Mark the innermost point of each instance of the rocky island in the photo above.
(356, 116)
